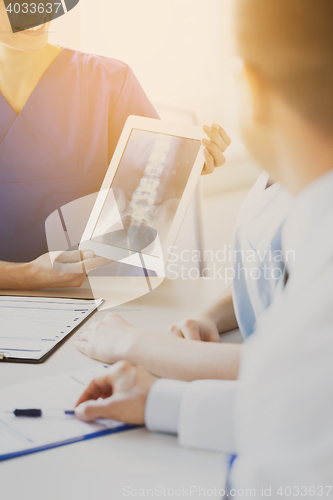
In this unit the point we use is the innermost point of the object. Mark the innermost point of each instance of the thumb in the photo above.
(70, 256)
(95, 263)
(91, 410)
(69, 267)
(191, 330)
(72, 262)
(174, 330)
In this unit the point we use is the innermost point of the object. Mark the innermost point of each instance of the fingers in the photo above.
(216, 144)
(222, 133)
(95, 263)
(85, 347)
(215, 152)
(111, 320)
(81, 267)
(174, 330)
(91, 410)
(100, 387)
(73, 262)
(103, 387)
(105, 340)
(88, 334)
(209, 163)
(70, 268)
(215, 138)
(188, 329)
(121, 394)
(74, 256)
(191, 330)
(92, 325)
(86, 341)
(213, 159)
(83, 336)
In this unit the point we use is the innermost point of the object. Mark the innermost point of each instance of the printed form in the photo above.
(30, 327)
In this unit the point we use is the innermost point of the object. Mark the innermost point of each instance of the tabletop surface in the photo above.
(134, 463)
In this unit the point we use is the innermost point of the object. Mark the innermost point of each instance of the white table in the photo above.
(120, 465)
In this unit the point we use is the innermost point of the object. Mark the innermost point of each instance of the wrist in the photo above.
(14, 276)
(206, 316)
(138, 344)
(132, 343)
(27, 275)
(222, 315)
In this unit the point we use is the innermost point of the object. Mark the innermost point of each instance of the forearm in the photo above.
(176, 358)
(14, 276)
(222, 312)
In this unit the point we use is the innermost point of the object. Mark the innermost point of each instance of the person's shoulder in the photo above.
(106, 65)
(99, 67)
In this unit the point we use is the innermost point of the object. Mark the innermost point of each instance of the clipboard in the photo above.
(121, 428)
(23, 435)
(32, 328)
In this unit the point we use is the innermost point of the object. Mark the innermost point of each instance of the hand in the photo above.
(61, 269)
(196, 329)
(107, 340)
(217, 144)
(123, 391)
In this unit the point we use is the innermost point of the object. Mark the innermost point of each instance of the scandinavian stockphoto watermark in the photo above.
(229, 264)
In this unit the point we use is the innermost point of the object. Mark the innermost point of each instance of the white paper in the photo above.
(32, 326)
(19, 434)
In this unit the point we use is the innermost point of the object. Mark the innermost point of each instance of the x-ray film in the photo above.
(146, 190)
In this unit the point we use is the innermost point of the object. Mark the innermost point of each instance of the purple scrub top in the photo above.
(59, 147)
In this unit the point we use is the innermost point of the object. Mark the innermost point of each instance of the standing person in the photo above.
(61, 115)
(278, 417)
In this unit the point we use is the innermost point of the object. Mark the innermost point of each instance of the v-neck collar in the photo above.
(46, 75)
(9, 118)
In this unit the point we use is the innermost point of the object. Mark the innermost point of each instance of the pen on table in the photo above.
(37, 412)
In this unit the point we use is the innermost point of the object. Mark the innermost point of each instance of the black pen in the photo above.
(37, 412)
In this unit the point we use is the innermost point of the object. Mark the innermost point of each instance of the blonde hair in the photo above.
(290, 44)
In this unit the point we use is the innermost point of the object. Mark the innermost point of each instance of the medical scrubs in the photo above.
(59, 147)
(258, 260)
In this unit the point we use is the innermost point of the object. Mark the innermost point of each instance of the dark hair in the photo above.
(290, 44)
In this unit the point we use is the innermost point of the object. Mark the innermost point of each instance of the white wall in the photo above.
(65, 30)
(177, 48)
(180, 51)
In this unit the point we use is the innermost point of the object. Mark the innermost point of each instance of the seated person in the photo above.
(62, 113)
(277, 418)
(257, 248)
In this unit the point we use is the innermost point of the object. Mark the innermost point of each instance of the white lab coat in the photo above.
(278, 418)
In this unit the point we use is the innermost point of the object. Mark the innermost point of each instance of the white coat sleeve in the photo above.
(200, 412)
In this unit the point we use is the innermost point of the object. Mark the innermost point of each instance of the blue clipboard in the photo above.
(21, 436)
(93, 435)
